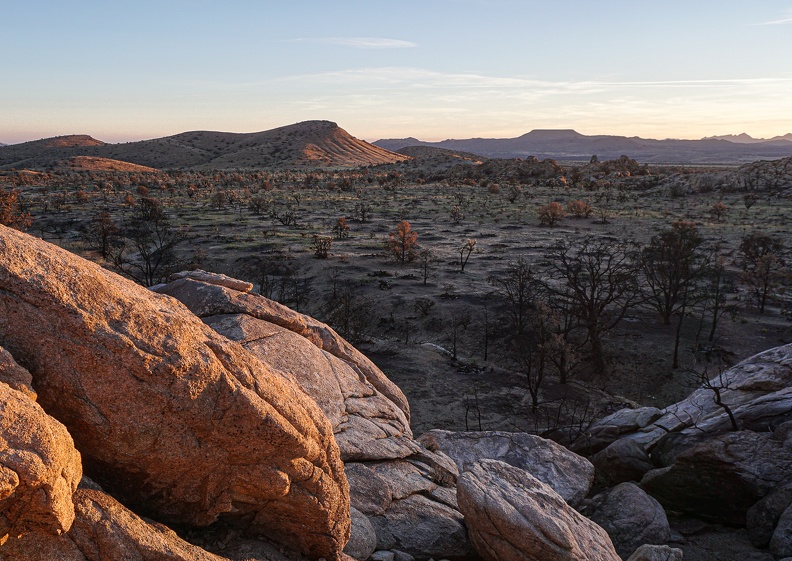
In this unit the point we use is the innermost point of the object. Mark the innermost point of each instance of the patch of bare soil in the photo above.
(701, 541)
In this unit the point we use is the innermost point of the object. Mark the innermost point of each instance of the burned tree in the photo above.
(596, 282)
(146, 252)
(674, 267)
(762, 261)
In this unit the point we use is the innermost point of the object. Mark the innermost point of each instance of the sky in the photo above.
(431, 69)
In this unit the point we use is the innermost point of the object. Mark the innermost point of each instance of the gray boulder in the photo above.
(513, 516)
(781, 542)
(758, 391)
(762, 518)
(719, 479)
(422, 528)
(630, 516)
(606, 430)
(570, 475)
(656, 553)
(623, 460)
(362, 539)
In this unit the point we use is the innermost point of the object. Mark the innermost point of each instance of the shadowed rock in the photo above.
(105, 530)
(624, 460)
(15, 376)
(630, 516)
(656, 553)
(721, 478)
(173, 418)
(763, 516)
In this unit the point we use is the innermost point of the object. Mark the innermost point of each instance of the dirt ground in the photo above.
(413, 344)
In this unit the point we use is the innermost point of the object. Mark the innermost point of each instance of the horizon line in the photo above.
(362, 137)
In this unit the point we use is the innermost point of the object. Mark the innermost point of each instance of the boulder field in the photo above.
(199, 421)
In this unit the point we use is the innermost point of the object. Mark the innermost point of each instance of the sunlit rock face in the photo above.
(176, 420)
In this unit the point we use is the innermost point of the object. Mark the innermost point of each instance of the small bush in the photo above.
(551, 214)
(321, 246)
(579, 209)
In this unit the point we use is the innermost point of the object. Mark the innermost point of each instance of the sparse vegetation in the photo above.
(515, 296)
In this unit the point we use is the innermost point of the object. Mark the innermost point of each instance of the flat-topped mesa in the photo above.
(174, 419)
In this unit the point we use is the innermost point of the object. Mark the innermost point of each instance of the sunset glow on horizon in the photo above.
(432, 70)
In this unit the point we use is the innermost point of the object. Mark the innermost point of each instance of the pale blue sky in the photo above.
(433, 69)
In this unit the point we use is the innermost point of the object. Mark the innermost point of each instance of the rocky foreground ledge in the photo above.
(257, 433)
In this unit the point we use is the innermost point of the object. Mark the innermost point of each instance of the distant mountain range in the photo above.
(311, 144)
(567, 144)
(744, 138)
(316, 144)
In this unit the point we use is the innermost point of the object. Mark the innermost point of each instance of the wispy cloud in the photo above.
(785, 20)
(362, 42)
(413, 101)
(421, 78)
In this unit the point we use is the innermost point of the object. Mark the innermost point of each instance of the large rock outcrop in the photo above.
(175, 419)
(513, 516)
(568, 474)
(758, 391)
(712, 460)
(369, 414)
(719, 479)
(406, 492)
(39, 468)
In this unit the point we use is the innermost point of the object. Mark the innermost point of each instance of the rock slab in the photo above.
(513, 516)
(570, 475)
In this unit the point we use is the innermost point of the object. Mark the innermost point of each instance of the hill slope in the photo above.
(92, 163)
(303, 145)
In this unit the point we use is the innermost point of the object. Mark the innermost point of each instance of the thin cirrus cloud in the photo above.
(362, 42)
(421, 78)
(786, 20)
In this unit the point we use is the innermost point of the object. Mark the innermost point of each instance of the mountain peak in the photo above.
(70, 141)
